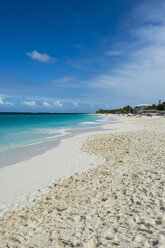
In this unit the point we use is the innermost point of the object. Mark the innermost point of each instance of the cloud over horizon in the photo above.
(76, 104)
(46, 104)
(58, 104)
(30, 103)
(4, 102)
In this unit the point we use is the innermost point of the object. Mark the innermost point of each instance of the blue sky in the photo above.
(81, 55)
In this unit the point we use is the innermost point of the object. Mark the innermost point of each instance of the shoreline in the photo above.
(58, 128)
(21, 182)
(30, 177)
(13, 155)
(107, 170)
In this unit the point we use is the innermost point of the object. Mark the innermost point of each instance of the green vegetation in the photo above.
(160, 107)
(128, 109)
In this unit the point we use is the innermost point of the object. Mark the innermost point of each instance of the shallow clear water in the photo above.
(23, 129)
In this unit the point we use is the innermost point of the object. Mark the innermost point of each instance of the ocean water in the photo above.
(24, 129)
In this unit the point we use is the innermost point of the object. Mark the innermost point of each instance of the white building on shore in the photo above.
(142, 108)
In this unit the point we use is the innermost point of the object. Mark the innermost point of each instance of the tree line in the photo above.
(128, 109)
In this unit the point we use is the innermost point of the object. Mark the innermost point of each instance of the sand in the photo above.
(120, 202)
(22, 182)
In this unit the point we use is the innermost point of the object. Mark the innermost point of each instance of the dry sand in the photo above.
(120, 203)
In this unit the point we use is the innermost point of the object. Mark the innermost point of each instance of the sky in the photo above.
(81, 55)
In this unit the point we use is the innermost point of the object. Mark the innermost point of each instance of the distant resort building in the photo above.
(142, 107)
(147, 109)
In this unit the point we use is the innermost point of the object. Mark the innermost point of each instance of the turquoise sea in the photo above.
(24, 129)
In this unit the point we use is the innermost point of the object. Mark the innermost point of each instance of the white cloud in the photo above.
(3, 102)
(58, 104)
(140, 78)
(46, 104)
(40, 56)
(30, 103)
(75, 104)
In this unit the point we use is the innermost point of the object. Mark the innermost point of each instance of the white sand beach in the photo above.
(21, 182)
(112, 196)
